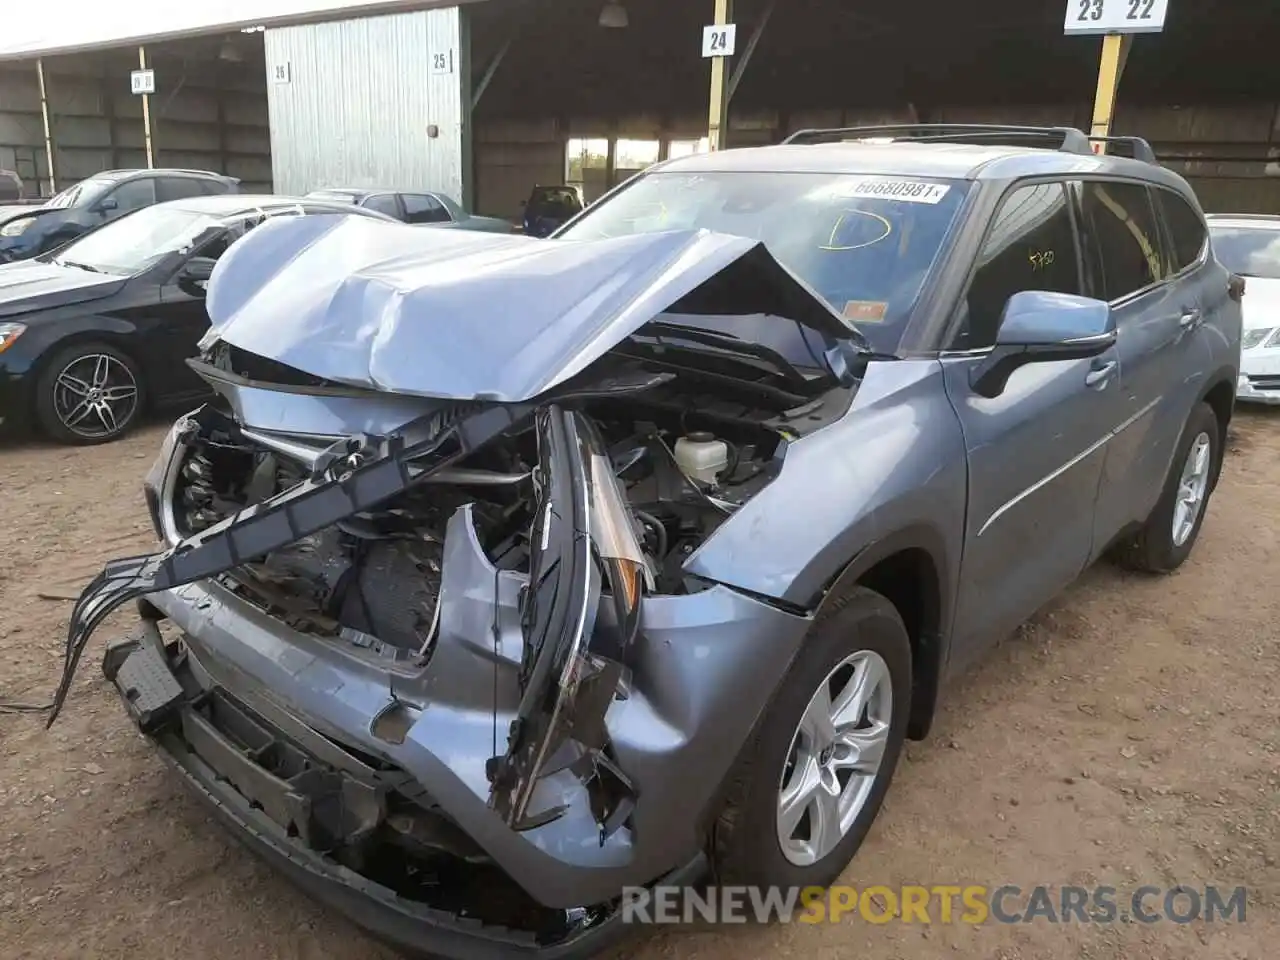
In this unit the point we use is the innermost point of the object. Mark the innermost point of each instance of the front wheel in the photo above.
(1166, 539)
(89, 393)
(808, 787)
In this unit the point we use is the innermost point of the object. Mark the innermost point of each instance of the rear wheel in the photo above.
(1166, 539)
(808, 787)
(89, 393)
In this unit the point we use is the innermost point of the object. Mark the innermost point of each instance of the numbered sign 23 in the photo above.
(1115, 16)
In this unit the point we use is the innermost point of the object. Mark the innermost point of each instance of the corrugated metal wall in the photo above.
(353, 103)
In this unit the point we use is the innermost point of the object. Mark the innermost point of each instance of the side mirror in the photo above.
(195, 274)
(107, 204)
(1039, 327)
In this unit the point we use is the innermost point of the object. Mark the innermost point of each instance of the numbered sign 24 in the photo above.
(1115, 16)
(719, 40)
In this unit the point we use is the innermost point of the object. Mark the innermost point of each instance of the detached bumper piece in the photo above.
(348, 837)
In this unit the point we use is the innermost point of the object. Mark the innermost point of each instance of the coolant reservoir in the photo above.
(701, 456)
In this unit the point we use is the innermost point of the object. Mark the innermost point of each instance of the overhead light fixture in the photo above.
(613, 15)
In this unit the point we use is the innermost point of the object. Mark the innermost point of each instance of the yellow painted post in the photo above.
(146, 109)
(719, 119)
(48, 132)
(1115, 51)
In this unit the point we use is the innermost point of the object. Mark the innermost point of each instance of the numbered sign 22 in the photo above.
(720, 40)
(442, 61)
(1115, 16)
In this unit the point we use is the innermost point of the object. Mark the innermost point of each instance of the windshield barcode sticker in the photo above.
(883, 188)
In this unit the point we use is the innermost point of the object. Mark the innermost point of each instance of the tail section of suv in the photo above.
(589, 562)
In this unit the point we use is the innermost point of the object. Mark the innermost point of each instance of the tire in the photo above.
(57, 404)
(1155, 548)
(747, 844)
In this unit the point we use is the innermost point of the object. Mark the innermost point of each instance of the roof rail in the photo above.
(1139, 149)
(1067, 139)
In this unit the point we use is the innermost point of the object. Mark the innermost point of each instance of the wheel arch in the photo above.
(114, 333)
(1220, 394)
(909, 570)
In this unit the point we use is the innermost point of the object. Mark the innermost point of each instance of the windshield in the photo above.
(140, 240)
(1248, 251)
(865, 244)
(80, 195)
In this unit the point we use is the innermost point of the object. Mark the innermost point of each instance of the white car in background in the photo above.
(1249, 245)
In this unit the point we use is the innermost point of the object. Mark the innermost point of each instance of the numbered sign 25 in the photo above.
(442, 61)
(1115, 16)
(720, 40)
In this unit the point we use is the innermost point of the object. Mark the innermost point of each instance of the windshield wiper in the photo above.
(727, 341)
(78, 266)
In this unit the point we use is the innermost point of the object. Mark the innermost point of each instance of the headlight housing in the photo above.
(9, 332)
(1264, 337)
(15, 228)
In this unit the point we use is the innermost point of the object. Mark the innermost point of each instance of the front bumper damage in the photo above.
(566, 737)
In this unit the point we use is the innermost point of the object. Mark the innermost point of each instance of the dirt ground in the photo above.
(1128, 736)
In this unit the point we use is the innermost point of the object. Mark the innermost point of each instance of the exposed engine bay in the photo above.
(685, 462)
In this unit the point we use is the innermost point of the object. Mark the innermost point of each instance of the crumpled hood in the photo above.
(18, 211)
(467, 315)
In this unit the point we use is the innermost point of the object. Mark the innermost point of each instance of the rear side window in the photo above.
(1186, 229)
(1123, 226)
(1031, 246)
(419, 208)
(384, 203)
(177, 188)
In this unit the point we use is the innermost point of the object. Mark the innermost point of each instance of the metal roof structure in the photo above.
(70, 26)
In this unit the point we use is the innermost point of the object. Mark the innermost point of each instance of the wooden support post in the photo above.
(146, 110)
(1115, 51)
(718, 126)
(48, 130)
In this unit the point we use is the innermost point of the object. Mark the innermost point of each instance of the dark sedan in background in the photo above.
(423, 207)
(93, 334)
(27, 232)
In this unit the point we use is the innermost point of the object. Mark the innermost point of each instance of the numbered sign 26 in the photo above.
(720, 40)
(1115, 16)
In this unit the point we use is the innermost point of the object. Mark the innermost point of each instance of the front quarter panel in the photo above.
(895, 462)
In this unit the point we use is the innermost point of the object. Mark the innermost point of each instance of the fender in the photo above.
(928, 611)
(1223, 379)
(58, 335)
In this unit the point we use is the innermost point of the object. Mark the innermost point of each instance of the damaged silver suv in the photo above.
(506, 574)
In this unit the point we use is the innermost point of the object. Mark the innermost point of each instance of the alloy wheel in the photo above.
(1192, 487)
(836, 753)
(95, 396)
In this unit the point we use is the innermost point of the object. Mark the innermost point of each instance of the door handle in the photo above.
(1100, 376)
(1190, 318)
